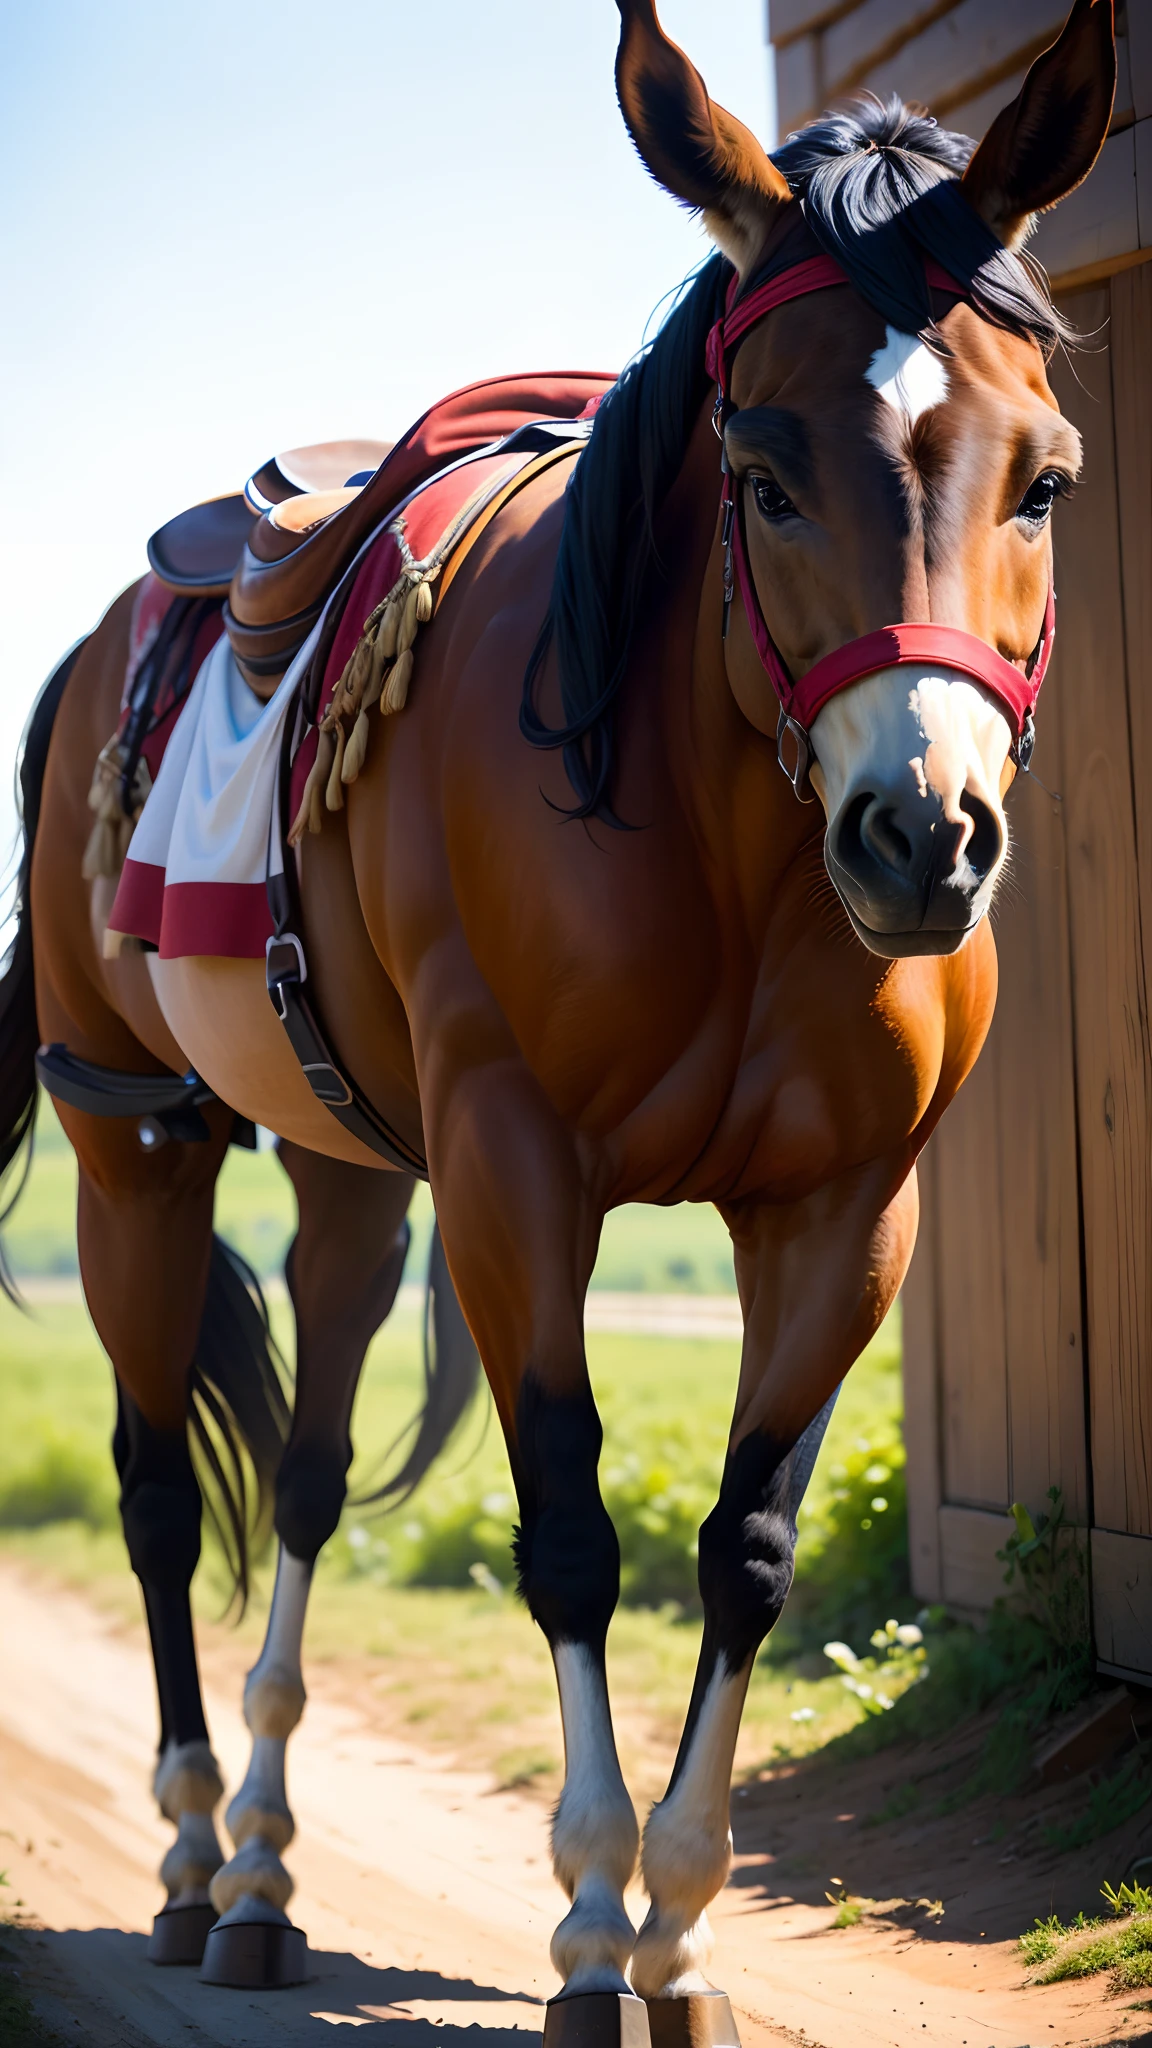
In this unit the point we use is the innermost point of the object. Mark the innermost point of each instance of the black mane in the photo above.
(878, 185)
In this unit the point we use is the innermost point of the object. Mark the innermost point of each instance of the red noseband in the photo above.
(1015, 688)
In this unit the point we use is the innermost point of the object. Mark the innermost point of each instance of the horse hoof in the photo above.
(596, 2019)
(701, 2020)
(256, 1955)
(180, 1932)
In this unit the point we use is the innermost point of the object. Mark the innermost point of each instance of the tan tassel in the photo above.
(356, 750)
(388, 638)
(396, 688)
(100, 852)
(408, 623)
(372, 690)
(423, 602)
(334, 794)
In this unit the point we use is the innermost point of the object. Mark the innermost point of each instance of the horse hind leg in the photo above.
(342, 1289)
(145, 1240)
(160, 1513)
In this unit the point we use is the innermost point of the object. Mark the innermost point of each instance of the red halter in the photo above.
(1015, 688)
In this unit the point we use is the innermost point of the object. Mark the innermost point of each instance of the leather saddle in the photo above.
(277, 549)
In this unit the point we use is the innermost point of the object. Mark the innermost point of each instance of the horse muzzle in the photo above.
(909, 769)
(912, 880)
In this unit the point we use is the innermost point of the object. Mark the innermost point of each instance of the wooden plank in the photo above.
(1098, 221)
(921, 1392)
(1113, 1059)
(797, 84)
(1140, 56)
(971, 1573)
(1036, 1129)
(975, 117)
(1123, 1391)
(871, 35)
(972, 45)
(1142, 150)
(1122, 1599)
(974, 1235)
(790, 18)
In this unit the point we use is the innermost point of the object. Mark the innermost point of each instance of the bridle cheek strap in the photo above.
(909, 643)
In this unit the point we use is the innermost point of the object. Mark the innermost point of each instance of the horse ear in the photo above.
(704, 156)
(1043, 145)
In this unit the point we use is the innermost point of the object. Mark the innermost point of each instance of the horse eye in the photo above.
(1036, 504)
(771, 501)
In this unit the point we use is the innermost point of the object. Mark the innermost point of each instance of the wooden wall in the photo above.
(966, 59)
(1028, 1332)
(1028, 1310)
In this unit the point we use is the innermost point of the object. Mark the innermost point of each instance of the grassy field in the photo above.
(680, 1250)
(419, 1600)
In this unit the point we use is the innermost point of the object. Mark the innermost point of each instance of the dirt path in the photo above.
(427, 1897)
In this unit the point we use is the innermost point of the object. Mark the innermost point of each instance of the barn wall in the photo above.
(1028, 1310)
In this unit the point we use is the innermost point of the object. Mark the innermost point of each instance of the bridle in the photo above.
(1015, 688)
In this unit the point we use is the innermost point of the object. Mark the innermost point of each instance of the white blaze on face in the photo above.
(915, 734)
(907, 375)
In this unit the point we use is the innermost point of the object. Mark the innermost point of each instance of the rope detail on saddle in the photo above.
(111, 835)
(378, 671)
(160, 677)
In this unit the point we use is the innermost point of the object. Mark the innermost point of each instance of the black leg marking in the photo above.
(160, 1511)
(567, 1553)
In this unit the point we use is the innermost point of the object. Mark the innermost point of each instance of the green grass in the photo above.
(1088, 1946)
(684, 1250)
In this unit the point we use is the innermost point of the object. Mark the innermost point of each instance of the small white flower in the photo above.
(844, 1658)
(909, 1636)
(803, 1714)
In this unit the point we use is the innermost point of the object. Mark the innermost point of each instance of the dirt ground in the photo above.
(428, 1899)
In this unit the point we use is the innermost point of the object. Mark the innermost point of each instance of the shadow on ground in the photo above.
(101, 1982)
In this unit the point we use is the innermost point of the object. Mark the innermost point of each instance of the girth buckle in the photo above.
(787, 727)
(283, 961)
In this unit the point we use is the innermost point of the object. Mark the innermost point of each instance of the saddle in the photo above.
(277, 549)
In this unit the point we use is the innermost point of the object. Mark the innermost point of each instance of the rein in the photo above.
(1015, 688)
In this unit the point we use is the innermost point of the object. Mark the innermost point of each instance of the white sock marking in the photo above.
(688, 1849)
(259, 1818)
(594, 1833)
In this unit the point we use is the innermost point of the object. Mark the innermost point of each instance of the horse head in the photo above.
(892, 452)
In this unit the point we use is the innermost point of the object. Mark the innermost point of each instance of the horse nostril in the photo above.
(869, 833)
(987, 842)
(883, 837)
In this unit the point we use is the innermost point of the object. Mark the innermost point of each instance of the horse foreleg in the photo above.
(816, 1281)
(520, 1240)
(344, 1269)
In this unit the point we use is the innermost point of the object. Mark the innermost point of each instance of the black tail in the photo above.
(237, 1403)
(451, 1376)
(19, 1035)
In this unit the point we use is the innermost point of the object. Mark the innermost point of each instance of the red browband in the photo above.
(1015, 688)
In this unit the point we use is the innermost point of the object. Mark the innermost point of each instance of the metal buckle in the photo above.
(326, 1084)
(278, 968)
(798, 775)
(1021, 750)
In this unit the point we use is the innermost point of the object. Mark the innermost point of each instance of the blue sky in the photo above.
(241, 225)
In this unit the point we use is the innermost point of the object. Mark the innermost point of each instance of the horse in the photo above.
(576, 937)
(199, 1378)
